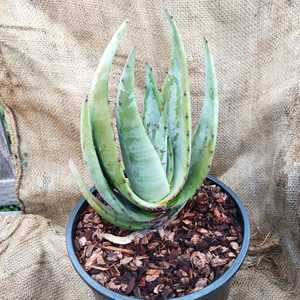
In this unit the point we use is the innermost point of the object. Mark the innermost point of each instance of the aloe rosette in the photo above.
(160, 164)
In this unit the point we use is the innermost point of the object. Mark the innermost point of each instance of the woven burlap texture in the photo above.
(48, 53)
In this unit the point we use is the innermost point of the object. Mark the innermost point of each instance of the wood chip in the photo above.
(91, 261)
(100, 260)
(150, 278)
(158, 289)
(89, 250)
(218, 262)
(153, 272)
(102, 277)
(201, 283)
(137, 262)
(198, 260)
(235, 246)
(126, 260)
(122, 250)
(195, 239)
(82, 241)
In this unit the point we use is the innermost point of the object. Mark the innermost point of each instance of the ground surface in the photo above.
(188, 254)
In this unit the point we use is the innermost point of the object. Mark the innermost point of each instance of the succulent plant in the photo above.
(160, 164)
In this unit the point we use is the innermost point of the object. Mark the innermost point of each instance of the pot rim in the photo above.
(225, 278)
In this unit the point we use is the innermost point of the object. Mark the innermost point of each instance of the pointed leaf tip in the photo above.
(168, 15)
(71, 164)
(206, 46)
(125, 23)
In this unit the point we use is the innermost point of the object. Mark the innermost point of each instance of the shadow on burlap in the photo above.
(48, 53)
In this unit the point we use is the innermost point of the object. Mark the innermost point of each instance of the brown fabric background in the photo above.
(48, 53)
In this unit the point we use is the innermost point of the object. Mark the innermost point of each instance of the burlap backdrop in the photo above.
(48, 53)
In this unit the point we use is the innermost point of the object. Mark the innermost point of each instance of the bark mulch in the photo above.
(188, 254)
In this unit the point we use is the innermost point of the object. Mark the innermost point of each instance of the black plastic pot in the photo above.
(218, 290)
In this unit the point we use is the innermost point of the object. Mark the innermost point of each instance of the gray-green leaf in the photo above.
(143, 167)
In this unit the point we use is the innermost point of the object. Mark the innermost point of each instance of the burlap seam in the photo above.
(39, 263)
(19, 222)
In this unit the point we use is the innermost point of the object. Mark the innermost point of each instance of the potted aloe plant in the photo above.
(154, 226)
